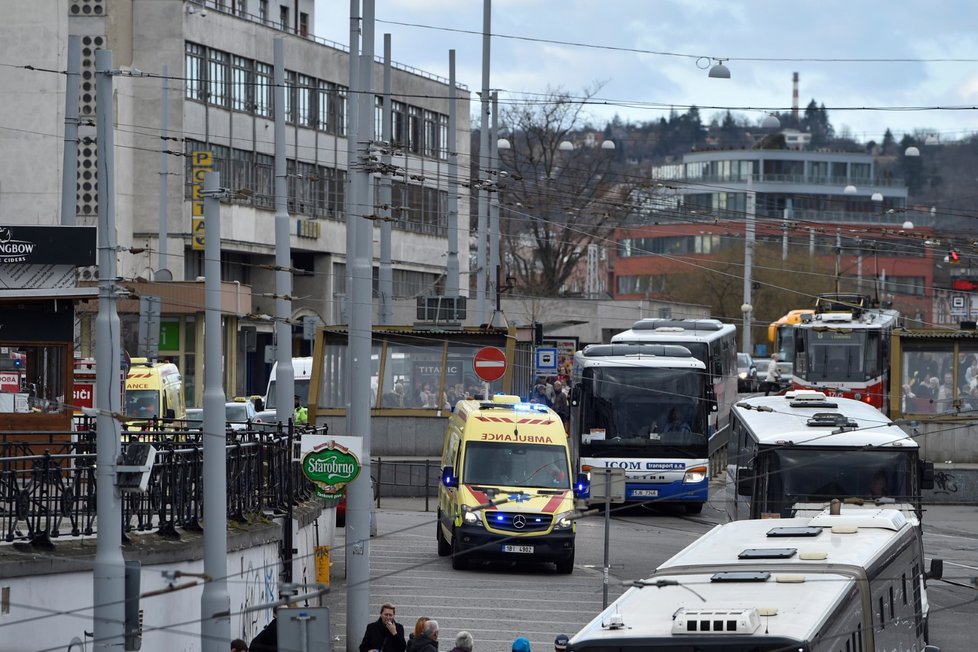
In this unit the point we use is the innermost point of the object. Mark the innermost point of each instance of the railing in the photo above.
(48, 487)
(405, 478)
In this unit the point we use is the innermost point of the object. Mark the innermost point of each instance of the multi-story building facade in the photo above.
(831, 205)
(218, 89)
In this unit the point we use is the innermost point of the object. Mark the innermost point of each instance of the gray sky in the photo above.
(641, 86)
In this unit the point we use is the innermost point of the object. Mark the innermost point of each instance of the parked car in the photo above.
(195, 418)
(746, 373)
(240, 411)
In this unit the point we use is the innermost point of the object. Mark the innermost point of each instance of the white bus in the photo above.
(712, 342)
(791, 454)
(846, 582)
(644, 408)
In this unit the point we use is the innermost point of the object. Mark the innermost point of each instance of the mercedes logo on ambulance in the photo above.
(519, 521)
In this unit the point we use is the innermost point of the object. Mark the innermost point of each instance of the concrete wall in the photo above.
(61, 583)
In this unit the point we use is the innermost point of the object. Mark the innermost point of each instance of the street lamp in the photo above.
(771, 122)
(719, 71)
(850, 190)
(565, 146)
(608, 144)
(912, 151)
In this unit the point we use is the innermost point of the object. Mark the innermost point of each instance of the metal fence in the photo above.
(406, 478)
(48, 482)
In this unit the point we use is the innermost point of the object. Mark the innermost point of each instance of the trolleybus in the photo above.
(791, 455)
(843, 580)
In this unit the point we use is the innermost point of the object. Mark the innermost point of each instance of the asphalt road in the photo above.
(498, 602)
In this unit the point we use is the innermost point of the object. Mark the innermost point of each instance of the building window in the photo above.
(326, 107)
(430, 134)
(264, 187)
(290, 96)
(399, 111)
(241, 7)
(341, 110)
(217, 77)
(306, 116)
(303, 24)
(263, 11)
(241, 86)
(194, 64)
(283, 18)
(414, 129)
(442, 137)
(379, 117)
(263, 89)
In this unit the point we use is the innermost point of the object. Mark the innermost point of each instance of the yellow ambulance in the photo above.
(153, 391)
(506, 489)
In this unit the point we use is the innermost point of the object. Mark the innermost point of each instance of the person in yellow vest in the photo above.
(301, 416)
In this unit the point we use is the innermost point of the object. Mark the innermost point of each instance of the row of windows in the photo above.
(240, 84)
(319, 191)
(672, 245)
(777, 169)
(640, 284)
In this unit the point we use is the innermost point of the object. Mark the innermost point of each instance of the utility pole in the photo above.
(482, 271)
(358, 349)
(284, 374)
(215, 602)
(109, 575)
(162, 272)
(451, 269)
(69, 175)
(494, 201)
(385, 277)
(748, 308)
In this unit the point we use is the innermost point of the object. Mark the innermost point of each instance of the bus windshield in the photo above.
(800, 475)
(833, 356)
(643, 412)
(516, 465)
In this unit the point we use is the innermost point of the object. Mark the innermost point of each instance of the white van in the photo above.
(302, 368)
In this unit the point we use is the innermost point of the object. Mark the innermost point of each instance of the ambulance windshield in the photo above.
(142, 403)
(516, 465)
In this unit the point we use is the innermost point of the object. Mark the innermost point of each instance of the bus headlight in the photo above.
(564, 521)
(472, 518)
(695, 474)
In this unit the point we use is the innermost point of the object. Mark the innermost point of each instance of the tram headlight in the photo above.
(564, 521)
(695, 474)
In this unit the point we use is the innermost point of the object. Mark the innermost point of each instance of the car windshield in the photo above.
(516, 465)
(743, 360)
(237, 412)
(142, 403)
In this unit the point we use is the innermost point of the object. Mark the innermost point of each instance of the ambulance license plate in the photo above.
(522, 549)
(645, 493)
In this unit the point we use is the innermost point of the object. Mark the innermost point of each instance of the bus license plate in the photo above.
(645, 493)
(521, 549)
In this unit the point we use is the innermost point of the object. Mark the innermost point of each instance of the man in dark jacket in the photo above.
(384, 635)
(428, 641)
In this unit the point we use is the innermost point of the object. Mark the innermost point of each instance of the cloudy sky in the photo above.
(894, 63)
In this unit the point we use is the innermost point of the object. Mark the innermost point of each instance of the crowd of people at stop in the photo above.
(387, 635)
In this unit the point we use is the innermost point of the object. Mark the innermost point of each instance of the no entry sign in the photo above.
(489, 363)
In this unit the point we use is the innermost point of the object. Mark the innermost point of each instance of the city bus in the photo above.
(780, 336)
(644, 408)
(843, 349)
(791, 455)
(710, 341)
(844, 580)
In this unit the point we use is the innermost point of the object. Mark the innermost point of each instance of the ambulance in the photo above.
(153, 391)
(506, 490)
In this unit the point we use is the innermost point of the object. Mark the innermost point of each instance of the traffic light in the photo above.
(953, 256)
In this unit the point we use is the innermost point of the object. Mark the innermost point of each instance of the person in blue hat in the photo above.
(521, 644)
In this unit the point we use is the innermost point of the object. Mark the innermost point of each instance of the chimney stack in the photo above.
(794, 96)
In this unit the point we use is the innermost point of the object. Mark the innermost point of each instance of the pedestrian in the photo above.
(560, 643)
(463, 642)
(418, 627)
(772, 382)
(301, 415)
(238, 645)
(521, 644)
(428, 641)
(384, 634)
(561, 404)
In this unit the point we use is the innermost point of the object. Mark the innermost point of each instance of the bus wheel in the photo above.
(694, 508)
(444, 548)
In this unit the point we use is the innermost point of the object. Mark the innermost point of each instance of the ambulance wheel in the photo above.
(565, 566)
(444, 548)
(459, 560)
(694, 508)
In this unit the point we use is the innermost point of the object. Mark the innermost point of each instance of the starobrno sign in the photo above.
(330, 467)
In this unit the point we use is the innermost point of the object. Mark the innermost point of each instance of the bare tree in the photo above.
(558, 192)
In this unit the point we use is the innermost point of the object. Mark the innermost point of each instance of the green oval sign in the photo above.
(330, 467)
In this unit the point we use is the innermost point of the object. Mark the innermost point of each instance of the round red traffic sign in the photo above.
(489, 363)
